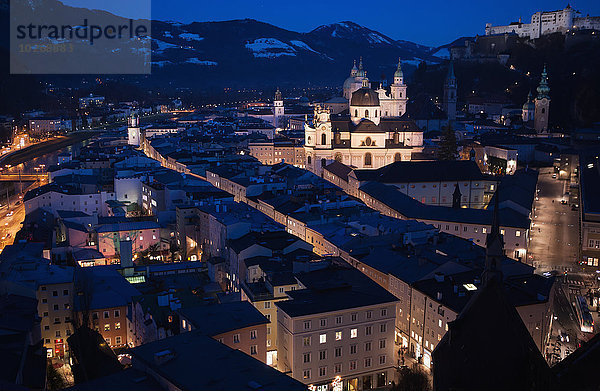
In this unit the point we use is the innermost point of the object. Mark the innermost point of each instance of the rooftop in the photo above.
(176, 359)
(217, 319)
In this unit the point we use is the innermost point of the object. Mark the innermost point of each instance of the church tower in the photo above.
(528, 112)
(278, 110)
(398, 93)
(134, 133)
(456, 197)
(450, 89)
(542, 104)
(494, 246)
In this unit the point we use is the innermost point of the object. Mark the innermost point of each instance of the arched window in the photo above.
(397, 157)
(375, 113)
(338, 138)
(323, 139)
(368, 159)
(308, 160)
(356, 113)
(366, 113)
(323, 162)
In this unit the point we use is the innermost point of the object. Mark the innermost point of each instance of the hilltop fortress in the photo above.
(544, 23)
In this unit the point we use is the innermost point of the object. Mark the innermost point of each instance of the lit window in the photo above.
(353, 333)
(118, 326)
(322, 338)
(107, 327)
(517, 233)
(338, 335)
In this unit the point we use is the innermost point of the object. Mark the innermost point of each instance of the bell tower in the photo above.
(278, 110)
(542, 104)
(450, 90)
(134, 133)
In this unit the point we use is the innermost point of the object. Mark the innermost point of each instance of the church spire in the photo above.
(494, 246)
(450, 75)
(278, 94)
(399, 72)
(365, 81)
(543, 89)
(354, 70)
(361, 71)
(456, 197)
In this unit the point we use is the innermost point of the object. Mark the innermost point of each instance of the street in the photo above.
(554, 235)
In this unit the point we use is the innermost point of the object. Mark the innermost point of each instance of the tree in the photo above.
(54, 379)
(412, 379)
(448, 149)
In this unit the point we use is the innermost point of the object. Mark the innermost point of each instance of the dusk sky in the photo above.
(432, 22)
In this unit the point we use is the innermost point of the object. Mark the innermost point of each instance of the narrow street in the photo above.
(554, 235)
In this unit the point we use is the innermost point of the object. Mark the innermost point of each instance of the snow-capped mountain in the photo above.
(249, 52)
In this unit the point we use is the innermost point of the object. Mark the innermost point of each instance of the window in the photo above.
(323, 139)
(322, 371)
(117, 313)
(55, 293)
(107, 327)
(55, 307)
(253, 349)
(118, 340)
(337, 368)
(252, 334)
(338, 351)
(369, 314)
(322, 338)
(306, 357)
(367, 362)
(366, 113)
(66, 292)
(353, 365)
(368, 330)
(353, 333)
(517, 233)
(95, 316)
(368, 346)
(57, 334)
(236, 338)
(307, 325)
(368, 159)
(352, 349)
(118, 326)
(338, 320)
(306, 341)
(353, 317)
(108, 341)
(384, 312)
(323, 322)
(323, 355)
(382, 359)
(106, 315)
(382, 344)
(338, 335)
(306, 374)
(281, 289)
(267, 305)
(383, 328)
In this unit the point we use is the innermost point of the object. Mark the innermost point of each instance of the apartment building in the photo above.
(337, 329)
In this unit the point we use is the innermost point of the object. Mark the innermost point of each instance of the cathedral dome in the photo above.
(364, 97)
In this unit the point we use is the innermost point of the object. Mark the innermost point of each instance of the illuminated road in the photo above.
(555, 231)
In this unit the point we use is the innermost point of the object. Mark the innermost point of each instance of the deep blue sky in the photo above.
(429, 22)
